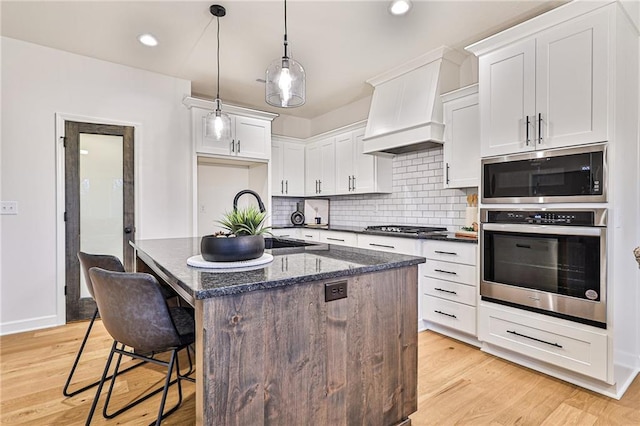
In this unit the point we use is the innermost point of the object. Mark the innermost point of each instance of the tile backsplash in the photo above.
(417, 198)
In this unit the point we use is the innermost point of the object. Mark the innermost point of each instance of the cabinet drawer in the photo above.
(449, 251)
(310, 234)
(577, 348)
(451, 291)
(464, 274)
(286, 232)
(339, 238)
(450, 314)
(390, 244)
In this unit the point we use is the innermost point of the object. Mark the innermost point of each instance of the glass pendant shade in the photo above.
(218, 125)
(285, 83)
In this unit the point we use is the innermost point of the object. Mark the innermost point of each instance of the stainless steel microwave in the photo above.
(567, 175)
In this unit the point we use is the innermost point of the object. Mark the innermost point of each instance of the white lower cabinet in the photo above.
(448, 286)
(339, 238)
(287, 232)
(572, 346)
(390, 244)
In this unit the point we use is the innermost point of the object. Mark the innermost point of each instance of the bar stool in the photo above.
(135, 313)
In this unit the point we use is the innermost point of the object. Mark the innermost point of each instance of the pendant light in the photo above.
(285, 78)
(218, 124)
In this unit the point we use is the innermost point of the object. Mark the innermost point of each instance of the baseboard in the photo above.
(623, 376)
(450, 332)
(30, 324)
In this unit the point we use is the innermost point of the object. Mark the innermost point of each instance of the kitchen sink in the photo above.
(274, 243)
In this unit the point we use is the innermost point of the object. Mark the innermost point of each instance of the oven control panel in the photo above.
(544, 217)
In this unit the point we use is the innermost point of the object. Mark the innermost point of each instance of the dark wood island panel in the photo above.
(284, 356)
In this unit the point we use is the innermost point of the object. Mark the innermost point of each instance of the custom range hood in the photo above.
(406, 111)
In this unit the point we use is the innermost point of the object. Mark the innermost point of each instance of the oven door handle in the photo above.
(585, 231)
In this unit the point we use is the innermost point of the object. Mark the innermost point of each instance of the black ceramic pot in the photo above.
(232, 249)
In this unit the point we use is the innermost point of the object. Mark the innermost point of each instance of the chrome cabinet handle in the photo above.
(539, 128)
(233, 146)
(381, 245)
(446, 314)
(447, 174)
(527, 129)
(446, 252)
(354, 182)
(533, 338)
(445, 291)
(286, 191)
(349, 183)
(238, 146)
(446, 272)
(335, 239)
(282, 186)
(319, 186)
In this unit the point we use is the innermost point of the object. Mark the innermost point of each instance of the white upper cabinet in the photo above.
(461, 138)
(287, 165)
(320, 174)
(250, 131)
(548, 90)
(355, 172)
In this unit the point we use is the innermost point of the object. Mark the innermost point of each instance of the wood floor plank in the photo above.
(457, 384)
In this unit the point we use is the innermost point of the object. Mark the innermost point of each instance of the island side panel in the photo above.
(285, 356)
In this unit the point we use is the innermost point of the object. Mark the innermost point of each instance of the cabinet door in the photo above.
(462, 142)
(344, 163)
(252, 137)
(571, 82)
(293, 169)
(204, 144)
(328, 167)
(313, 166)
(364, 165)
(277, 179)
(507, 98)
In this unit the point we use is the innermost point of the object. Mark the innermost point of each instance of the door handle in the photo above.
(354, 182)
(238, 146)
(539, 128)
(128, 230)
(233, 146)
(349, 183)
(447, 173)
(319, 187)
(527, 130)
(282, 186)
(286, 191)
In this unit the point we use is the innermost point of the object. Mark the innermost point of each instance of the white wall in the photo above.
(37, 83)
(340, 117)
(288, 125)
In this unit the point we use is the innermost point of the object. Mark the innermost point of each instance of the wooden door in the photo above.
(572, 67)
(507, 98)
(99, 197)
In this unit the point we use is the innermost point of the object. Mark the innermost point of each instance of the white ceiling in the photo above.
(340, 43)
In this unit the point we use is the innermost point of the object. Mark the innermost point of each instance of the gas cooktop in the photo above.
(402, 229)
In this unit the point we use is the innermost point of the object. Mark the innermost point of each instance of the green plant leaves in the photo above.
(245, 221)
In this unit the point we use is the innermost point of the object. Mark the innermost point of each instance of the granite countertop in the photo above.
(168, 257)
(438, 235)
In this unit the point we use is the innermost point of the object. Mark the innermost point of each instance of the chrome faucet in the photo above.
(248, 191)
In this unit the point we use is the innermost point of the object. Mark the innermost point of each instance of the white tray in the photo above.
(199, 262)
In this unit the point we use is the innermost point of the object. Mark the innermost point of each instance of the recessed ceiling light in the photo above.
(399, 7)
(148, 40)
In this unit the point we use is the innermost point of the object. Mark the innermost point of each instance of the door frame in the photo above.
(60, 119)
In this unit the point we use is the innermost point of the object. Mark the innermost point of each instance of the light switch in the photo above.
(9, 207)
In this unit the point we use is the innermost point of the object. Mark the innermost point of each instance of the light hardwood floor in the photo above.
(457, 384)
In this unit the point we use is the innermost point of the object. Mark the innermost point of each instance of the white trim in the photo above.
(30, 324)
(442, 52)
(61, 118)
(535, 25)
(190, 102)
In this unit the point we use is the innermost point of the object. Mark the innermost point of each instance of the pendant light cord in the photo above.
(218, 62)
(285, 29)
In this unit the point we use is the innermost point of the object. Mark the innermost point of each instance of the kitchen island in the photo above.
(273, 348)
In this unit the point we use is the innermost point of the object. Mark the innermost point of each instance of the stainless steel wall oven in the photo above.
(550, 261)
(567, 175)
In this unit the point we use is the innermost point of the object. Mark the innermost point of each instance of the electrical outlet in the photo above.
(335, 291)
(9, 207)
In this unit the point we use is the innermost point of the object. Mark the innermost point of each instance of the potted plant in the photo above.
(243, 239)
